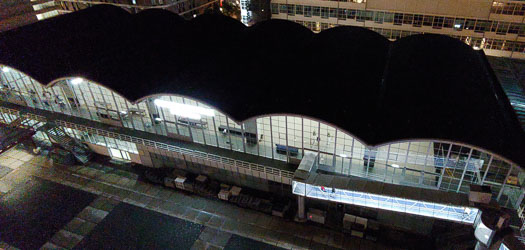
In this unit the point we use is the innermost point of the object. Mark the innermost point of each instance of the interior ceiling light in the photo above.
(5, 69)
(395, 165)
(185, 110)
(77, 80)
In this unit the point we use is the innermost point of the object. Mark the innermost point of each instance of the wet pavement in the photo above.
(236, 243)
(33, 212)
(99, 207)
(4, 171)
(129, 226)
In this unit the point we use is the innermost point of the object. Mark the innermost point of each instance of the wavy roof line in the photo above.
(422, 86)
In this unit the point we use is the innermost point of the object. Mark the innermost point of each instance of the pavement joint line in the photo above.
(56, 177)
(144, 194)
(59, 175)
(74, 234)
(243, 234)
(71, 234)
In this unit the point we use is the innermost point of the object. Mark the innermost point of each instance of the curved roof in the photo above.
(419, 87)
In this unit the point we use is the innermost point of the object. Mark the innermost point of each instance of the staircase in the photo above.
(17, 122)
(14, 133)
(81, 152)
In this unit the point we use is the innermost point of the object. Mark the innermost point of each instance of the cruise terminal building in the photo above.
(344, 116)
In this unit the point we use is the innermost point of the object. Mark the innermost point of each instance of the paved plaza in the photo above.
(99, 207)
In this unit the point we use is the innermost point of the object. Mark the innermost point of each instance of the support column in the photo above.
(301, 213)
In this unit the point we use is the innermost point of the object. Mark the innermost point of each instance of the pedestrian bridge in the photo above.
(437, 204)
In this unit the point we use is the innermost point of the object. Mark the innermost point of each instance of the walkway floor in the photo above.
(126, 212)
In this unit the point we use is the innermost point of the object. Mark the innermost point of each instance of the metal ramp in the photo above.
(15, 132)
(59, 137)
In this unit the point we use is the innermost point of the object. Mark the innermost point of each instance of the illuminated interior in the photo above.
(433, 164)
(441, 211)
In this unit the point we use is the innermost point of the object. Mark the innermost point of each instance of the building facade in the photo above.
(496, 26)
(186, 8)
(21, 12)
(425, 112)
(433, 164)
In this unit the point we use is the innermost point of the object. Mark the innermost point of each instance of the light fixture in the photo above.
(77, 80)
(185, 110)
(517, 104)
(395, 165)
(467, 210)
(343, 155)
(194, 15)
(457, 26)
(220, 9)
(5, 69)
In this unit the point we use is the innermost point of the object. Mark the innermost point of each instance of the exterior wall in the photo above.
(167, 159)
(135, 158)
(16, 13)
(144, 156)
(186, 7)
(22, 12)
(497, 28)
(101, 150)
(466, 8)
(429, 164)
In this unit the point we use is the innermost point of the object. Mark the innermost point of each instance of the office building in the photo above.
(425, 114)
(186, 8)
(22, 12)
(496, 26)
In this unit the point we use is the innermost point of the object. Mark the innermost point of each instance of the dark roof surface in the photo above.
(419, 87)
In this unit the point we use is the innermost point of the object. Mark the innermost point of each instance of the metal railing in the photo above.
(263, 171)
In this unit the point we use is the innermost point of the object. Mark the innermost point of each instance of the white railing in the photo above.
(285, 175)
(261, 170)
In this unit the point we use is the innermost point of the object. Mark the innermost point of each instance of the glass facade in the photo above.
(440, 165)
(441, 211)
(404, 20)
(503, 7)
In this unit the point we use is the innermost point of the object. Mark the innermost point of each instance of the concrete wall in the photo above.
(158, 158)
(101, 150)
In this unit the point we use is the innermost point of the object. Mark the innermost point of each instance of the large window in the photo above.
(307, 11)
(275, 8)
(507, 8)
(341, 14)
(324, 12)
(291, 9)
(283, 8)
(434, 164)
(316, 11)
(378, 17)
(299, 9)
(398, 18)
